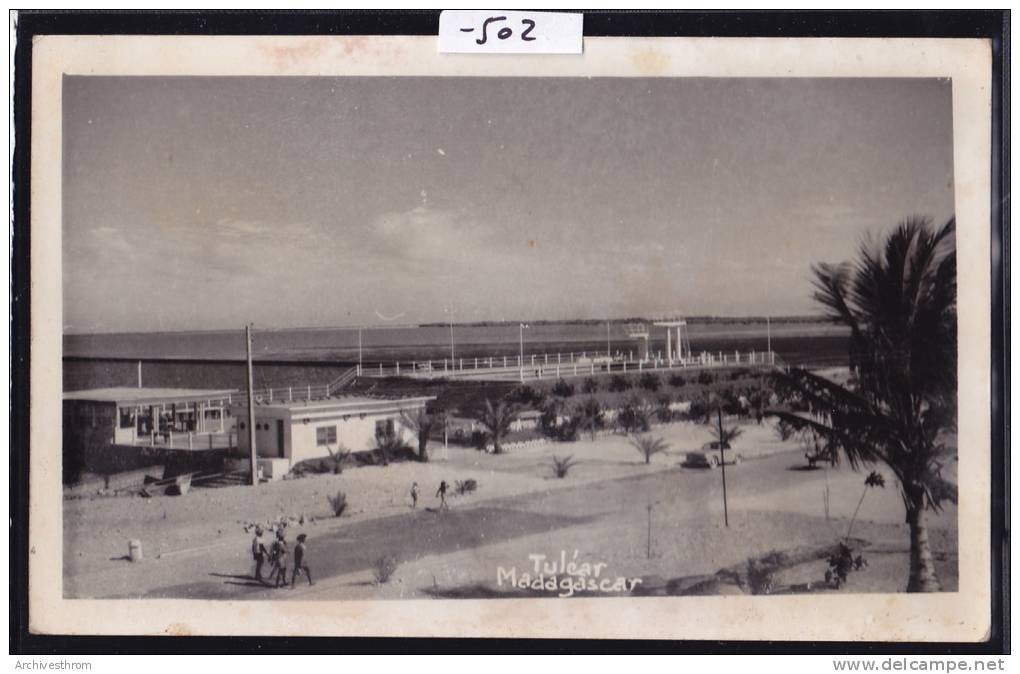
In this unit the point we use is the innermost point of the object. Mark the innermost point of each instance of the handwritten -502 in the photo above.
(504, 33)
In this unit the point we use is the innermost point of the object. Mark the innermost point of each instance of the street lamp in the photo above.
(521, 361)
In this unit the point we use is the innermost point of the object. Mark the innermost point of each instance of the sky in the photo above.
(206, 203)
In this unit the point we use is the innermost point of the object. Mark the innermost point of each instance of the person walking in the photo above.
(259, 553)
(414, 495)
(279, 553)
(299, 561)
(441, 493)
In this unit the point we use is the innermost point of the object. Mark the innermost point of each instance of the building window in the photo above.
(384, 428)
(326, 435)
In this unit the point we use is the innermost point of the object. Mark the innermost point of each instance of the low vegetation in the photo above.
(562, 466)
(384, 568)
(337, 503)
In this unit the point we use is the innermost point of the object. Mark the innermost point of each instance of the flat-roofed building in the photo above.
(130, 416)
(291, 432)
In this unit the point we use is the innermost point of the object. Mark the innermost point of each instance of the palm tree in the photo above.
(497, 419)
(899, 302)
(421, 422)
(648, 446)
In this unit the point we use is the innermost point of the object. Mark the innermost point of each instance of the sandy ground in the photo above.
(195, 545)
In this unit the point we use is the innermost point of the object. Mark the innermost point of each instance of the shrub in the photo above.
(387, 443)
(479, 439)
(649, 381)
(705, 378)
(760, 577)
(677, 381)
(562, 466)
(463, 487)
(567, 431)
(784, 430)
(590, 385)
(634, 416)
(526, 395)
(590, 416)
(739, 373)
(562, 389)
(618, 383)
(384, 568)
(698, 411)
(648, 446)
(663, 411)
(338, 503)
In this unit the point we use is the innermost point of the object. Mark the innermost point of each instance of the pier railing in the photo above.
(572, 364)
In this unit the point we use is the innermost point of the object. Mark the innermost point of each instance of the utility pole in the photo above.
(523, 325)
(722, 463)
(768, 333)
(452, 359)
(609, 342)
(253, 456)
(359, 351)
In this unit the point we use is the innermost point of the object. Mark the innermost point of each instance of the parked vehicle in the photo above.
(708, 457)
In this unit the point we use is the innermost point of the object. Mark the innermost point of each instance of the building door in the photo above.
(279, 438)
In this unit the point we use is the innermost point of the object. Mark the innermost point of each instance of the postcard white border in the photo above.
(958, 616)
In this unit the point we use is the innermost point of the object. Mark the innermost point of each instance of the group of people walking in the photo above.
(277, 551)
(440, 494)
(276, 555)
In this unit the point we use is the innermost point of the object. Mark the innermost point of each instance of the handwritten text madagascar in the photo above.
(564, 575)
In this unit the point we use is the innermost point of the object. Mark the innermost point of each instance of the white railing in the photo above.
(571, 364)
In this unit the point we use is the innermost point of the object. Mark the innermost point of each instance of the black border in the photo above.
(990, 24)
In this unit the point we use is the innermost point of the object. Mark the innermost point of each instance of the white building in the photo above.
(287, 433)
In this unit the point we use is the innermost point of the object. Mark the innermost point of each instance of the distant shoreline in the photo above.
(691, 320)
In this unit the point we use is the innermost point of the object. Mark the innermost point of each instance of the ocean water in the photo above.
(796, 343)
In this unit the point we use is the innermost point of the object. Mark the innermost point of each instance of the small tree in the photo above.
(873, 480)
(421, 422)
(677, 381)
(591, 416)
(618, 383)
(562, 389)
(497, 419)
(649, 382)
(664, 410)
(635, 416)
(648, 446)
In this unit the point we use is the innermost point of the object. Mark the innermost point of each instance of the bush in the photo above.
(527, 396)
(562, 466)
(338, 503)
(567, 431)
(698, 411)
(479, 439)
(784, 430)
(663, 411)
(634, 416)
(590, 385)
(760, 577)
(562, 389)
(463, 487)
(649, 381)
(618, 383)
(384, 568)
(677, 381)
(739, 374)
(705, 378)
